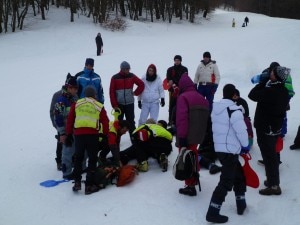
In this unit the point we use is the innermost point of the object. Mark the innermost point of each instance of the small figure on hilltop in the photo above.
(99, 43)
(233, 22)
(246, 20)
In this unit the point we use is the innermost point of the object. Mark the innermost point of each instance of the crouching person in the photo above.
(111, 143)
(152, 140)
(229, 134)
(84, 121)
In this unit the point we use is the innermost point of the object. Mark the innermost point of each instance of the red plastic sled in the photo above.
(165, 84)
(252, 179)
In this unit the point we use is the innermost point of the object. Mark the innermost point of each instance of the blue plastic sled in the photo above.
(52, 183)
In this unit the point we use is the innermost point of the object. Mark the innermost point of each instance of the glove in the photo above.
(183, 142)
(162, 102)
(69, 140)
(245, 150)
(139, 104)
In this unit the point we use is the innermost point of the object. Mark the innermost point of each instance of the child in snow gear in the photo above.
(61, 110)
(229, 133)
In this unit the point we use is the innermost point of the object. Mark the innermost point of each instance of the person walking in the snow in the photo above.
(148, 101)
(99, 44)
(173, 76)
(122, 94)
(88, 77)
(207, 78)
(61, 110)
(233, 22)
(190, 132)
(272, 99)
(230, 140)
(85, 118)
(246, 21)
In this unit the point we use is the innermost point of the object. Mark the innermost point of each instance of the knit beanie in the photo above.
(90, 91)
(89, 61)
(281, 73)
(71, 82)
(125, 65)
(206, 55)
(273, 65)
(229, 91)
(178, 57)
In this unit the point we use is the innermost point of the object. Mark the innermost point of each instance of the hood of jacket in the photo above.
(185, 83)
(219, 107)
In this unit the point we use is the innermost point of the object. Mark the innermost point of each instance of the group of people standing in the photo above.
(79, 115)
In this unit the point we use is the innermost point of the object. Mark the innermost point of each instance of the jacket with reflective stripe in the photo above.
(87, 113)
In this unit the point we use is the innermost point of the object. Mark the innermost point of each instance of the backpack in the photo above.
(126, 175)
(185, 166)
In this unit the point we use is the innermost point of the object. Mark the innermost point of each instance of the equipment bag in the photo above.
(185, 166)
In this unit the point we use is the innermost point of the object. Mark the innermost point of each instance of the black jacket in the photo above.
(174, 73)
(271, 106)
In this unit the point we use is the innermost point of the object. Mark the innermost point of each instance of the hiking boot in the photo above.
(143, 166)
(77, 186)
(294, 146)
(273, 190)
(91, 189)
(188, 190)
(69, 177)
(163, 162)
(214, 169)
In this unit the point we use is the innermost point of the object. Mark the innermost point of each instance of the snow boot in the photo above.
(273, 190)
(91, 189)
(213, 213)
(188, 190)
(163, 162)
(77, 186)
(240, 204)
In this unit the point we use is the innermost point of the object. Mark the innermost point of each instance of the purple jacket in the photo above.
(192, 111)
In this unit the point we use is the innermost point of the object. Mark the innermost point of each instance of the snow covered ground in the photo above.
(34, 64)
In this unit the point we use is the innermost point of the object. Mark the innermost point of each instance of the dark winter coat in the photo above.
(174, 73)
(99, 41)
(53, 101)
(272, 101)
(192, 111)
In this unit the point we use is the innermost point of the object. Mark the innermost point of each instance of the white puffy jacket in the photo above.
(229, 134)
(153, 91)
(204, 73)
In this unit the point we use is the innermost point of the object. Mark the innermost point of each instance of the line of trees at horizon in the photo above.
(13, 12)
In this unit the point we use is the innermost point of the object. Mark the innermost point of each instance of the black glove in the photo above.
(162, 102)
(69, 140)
(139, 104)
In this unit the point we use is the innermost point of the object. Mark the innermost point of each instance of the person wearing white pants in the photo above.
(152, 96)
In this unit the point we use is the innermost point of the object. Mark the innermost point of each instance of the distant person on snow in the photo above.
(99, 44)
(246, 20)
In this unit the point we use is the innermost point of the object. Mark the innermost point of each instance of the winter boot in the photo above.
(77, 186)
(213, 213)
(163, 162)
(143, 166)
(273, 190)
(58, 164)
(240, 204)
(188, 190)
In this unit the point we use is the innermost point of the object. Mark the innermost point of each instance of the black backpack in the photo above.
(185, 166)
